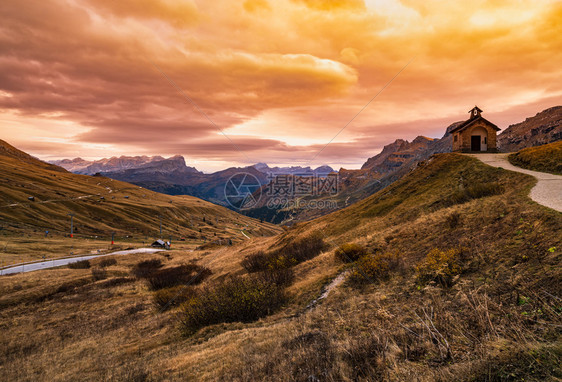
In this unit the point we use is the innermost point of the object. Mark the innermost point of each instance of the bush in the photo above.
(374, 268)
(99, 274)
(350, 252)
(146, 268)
(302, 249)
(453, 220)
(475, 191)
(370, 268)
(290, 254)
(281, 277)
(187, 274)
(172, 297)
(238, 299)
(107, 262)
(255, 262)
(83, 264)
(440, 266)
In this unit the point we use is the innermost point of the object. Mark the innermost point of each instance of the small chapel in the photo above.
(475, 134)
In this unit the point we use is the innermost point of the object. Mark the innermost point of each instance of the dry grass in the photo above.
(101, 206)
(499, 320)
(545, 158)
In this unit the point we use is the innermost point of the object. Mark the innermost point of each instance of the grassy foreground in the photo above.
(545, 158)
(462, 284)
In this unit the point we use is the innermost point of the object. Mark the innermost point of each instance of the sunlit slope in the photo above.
(449, 200)
(102, 205)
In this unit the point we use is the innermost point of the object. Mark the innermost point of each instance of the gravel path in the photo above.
(60, 262)
(547, 191)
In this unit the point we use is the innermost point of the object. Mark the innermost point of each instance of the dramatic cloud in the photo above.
(273, 79)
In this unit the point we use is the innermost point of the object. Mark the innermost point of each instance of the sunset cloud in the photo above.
(94, 78)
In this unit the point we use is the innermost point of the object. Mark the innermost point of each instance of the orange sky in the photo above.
(281, 77)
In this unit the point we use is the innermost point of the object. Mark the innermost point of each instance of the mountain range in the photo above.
(37, 195)
(173, 176)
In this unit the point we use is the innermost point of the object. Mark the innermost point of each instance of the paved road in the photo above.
(60, 262)
(547, 191)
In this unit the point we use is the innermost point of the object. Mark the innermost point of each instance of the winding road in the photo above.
(547, 191)
(29, 267)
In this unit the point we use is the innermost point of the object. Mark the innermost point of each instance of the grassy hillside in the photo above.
(458, 279)
(545, 158)
(101, 206)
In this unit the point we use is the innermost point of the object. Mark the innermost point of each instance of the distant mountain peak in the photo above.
(113, 164)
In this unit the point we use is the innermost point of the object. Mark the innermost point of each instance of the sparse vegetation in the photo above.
(294, 252)
(104, 263)
(440, 266)
(147, 267)
(374, 268)
(185, 274)
(173, 297)
(350, 252)
(545, 158)
(99, 274)
(499, 319)
(83, 264)
(238, 299)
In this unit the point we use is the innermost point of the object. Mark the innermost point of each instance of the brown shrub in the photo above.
(146, 268)
(292, 253)
(238, 299)
(440, 266)
(350, 252)
(474, 191)
(99, 274)
(83, 264)
(277, 276)
(255, 262)
(107, 262)
(187, 274)
(374, 268)
(169, 298)
(453, 220)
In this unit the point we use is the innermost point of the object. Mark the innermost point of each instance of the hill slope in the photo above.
(545, 158)
(462, 284)
(545, 127)
(103, 205)
(9, 151)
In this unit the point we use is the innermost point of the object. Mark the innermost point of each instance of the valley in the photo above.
(394, 311)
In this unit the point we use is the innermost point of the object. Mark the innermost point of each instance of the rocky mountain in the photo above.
(392, 163)
(173, 177)
(543, 128)
(36, 196)
(293, 170)
(159, 169)
(85, 167)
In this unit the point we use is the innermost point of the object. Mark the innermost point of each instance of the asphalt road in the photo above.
(60, 262)
(547, 191)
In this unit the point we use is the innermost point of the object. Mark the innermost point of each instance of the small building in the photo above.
(161, 244)
(475, 134)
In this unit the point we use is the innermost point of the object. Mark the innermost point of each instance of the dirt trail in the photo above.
(547, 191)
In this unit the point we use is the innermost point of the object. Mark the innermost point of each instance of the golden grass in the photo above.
(499, 319)
(101, 206)
(545, 158)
